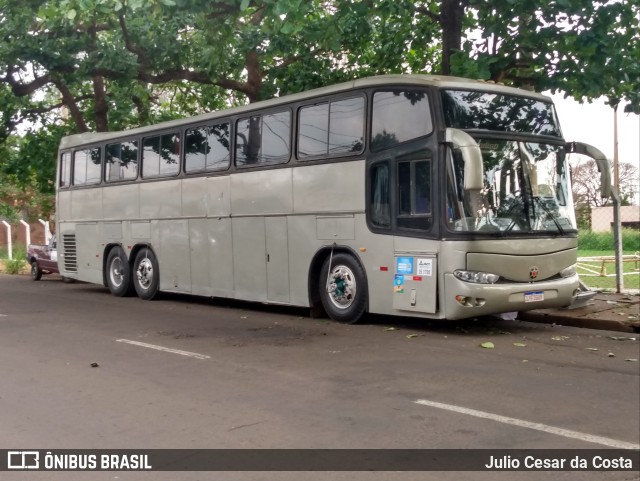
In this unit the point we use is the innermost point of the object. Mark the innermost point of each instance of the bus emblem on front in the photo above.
(533, 273)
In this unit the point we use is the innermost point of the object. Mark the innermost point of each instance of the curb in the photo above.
(605, 311)
(583, 322)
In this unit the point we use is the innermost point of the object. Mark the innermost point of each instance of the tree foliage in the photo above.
(75, 65)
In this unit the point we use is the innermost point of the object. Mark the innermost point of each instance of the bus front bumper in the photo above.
(466, 299)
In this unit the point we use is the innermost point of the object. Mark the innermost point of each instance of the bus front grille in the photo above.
(70, 253)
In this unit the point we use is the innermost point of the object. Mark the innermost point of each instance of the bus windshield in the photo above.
(526, 189)
(499, 113)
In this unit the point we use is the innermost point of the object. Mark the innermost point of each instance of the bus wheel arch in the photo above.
(351, 275)
(116, 271)
(145, 272)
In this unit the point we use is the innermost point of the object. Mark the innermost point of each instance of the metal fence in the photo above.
(609, 247)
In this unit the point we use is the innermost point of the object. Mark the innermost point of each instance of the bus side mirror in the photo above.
(471, 155)
(601, 161)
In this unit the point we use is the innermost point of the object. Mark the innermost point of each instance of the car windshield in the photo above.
(526, 189)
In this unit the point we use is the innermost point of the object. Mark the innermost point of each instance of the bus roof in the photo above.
(443, 82)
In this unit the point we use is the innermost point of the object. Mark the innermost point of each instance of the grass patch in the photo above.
(594, 281)
(15, 266)
(603, 241)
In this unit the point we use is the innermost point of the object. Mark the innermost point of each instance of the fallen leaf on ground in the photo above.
(519, 344)
(487, 345)
(411, 336)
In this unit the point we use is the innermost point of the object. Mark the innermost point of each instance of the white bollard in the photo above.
(47, 232)
(9, 246)
(27, 232)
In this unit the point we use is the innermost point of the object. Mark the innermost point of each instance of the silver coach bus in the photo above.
(411, 195)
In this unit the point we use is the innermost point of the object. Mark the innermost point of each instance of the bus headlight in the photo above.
(569, 271)
(477, 277)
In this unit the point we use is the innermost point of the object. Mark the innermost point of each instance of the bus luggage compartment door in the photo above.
(414, 286)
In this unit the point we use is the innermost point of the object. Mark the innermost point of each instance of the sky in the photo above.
(592, 123)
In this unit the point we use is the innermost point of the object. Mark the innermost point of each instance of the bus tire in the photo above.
(36, 272)
(146, 275)
(118, 273)
(344, 295)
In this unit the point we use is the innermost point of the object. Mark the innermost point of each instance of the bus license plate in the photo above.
(534, 296)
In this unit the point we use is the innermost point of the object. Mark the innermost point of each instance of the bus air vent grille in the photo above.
(70, 253)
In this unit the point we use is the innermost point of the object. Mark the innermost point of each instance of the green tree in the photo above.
(583, 48)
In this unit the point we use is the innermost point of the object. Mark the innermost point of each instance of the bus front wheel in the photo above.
(146, 274)
(118, 272)
(343, 288)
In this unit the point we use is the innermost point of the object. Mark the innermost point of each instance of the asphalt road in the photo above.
(255, 376)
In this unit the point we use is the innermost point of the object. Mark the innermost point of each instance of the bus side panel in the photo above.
(121, 202)
(378, 263)
(89, 253)
(302, 247)
(86, 204)
(249, 258)
(161, 199)
(220, 257)
(211, 260)
(329, 188)
(261, 193)
(277, 246)
(171, 244)
(63, 209)
(199, 256)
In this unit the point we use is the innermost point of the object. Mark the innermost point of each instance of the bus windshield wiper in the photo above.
(553, 217)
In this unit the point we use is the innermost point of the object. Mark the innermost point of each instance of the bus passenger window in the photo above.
(121, 161)
(331, 129)
(86, 166)
(346, 126)
(399, 117)
(160, 155)
(65, 169)
(313, 130)
(207, 148)
(263, 139)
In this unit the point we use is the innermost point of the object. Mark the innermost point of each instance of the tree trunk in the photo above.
(451, 16)
(101, 108)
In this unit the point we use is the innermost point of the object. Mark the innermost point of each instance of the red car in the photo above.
(43, 259)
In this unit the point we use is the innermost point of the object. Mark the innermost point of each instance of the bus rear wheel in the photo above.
(146, 279)
(118, 273)
(343, 288)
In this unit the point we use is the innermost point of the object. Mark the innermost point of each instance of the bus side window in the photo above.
(414, 194)
(331, 129)
(86, 166)
(263, 139)
(398, 117)
(160, 155)
(380, 197)
(121, 161)
(65, 169)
